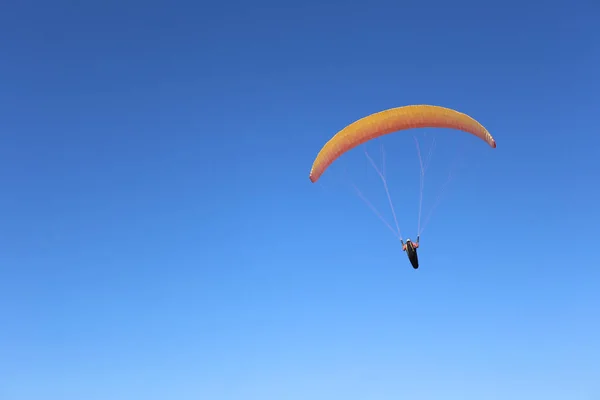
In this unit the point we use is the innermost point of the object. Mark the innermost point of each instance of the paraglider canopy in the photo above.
(392, 120)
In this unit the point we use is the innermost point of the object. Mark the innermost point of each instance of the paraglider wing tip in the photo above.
(493, 144)
(312, 178)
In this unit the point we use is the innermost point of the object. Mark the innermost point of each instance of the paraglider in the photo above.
(385, 122)
(411, 250)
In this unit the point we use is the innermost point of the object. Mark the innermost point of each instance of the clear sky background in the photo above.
(160, 238)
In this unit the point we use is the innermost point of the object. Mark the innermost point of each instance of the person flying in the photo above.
(411, 251)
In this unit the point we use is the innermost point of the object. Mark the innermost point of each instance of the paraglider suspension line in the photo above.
(372, 207)
(438, 200)
(423, 168)
(382, 176)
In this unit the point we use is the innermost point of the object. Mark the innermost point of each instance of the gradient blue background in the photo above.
(160, 239)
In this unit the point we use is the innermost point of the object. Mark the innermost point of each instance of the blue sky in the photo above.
(160, 238)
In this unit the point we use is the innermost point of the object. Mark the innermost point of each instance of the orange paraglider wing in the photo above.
(392, 120)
